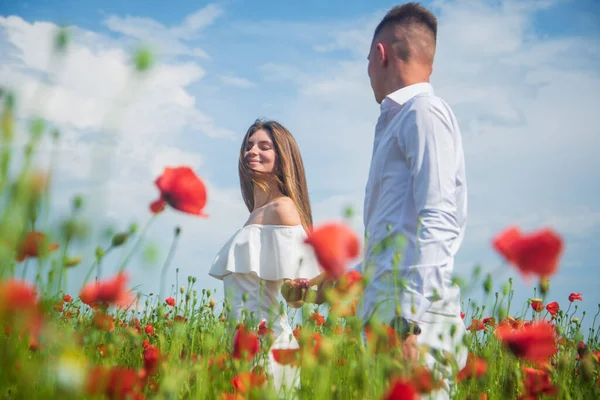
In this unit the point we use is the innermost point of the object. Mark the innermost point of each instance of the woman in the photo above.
(269, 250)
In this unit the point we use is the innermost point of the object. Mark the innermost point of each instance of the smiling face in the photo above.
(259, 152)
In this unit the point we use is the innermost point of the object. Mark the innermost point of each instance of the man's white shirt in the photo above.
(416, 190)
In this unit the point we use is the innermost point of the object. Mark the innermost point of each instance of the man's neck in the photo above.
(401, 80)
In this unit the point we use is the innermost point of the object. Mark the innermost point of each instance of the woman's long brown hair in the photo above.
(288, 173)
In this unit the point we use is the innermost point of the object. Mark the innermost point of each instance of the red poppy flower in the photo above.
(537, 305)
(286, 356)
(553, 308)
(423, 381)
(116, 383)
(34, 244)
(535, 342)
(232, 396)
(151, 359)
(104, 322)
(67, 298)
(334, 245)
(348, 280)
(489, 321)
(245, 381)
(263, 329)
(149, 330)
(536, 253)
(17, 295)
(462, 315)
(110, 291)
(384, 337)
(401, 390)
(245, 344)
(180, 319)
(475, 367)
(318, 318)
(170, 301)
(476, 325)
(537, 383)
(575, 296)
(181, 189)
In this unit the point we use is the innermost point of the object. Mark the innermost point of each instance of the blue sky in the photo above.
(522, 78)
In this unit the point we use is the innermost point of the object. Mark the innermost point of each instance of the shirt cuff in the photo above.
(413, 306)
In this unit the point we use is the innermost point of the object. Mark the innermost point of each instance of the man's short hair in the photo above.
(409, 14)
(412, 17)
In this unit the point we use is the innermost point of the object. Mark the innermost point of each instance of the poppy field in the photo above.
(109, 341)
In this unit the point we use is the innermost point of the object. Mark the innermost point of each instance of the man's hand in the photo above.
(323, 283)
(410, 349)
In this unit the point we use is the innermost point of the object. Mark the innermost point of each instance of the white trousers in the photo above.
(441, 341)
(262, 299)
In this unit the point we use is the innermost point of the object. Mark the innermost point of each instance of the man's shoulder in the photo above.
(426, 101)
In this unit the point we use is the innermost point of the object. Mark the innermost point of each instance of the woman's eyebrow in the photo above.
(260, 142)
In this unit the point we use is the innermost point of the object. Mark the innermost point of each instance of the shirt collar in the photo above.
(403, 95)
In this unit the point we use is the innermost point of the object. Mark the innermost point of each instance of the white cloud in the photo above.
(237, 82)
(168, 41)
(118, 129)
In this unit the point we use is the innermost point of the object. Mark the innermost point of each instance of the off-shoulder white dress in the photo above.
(254, 262)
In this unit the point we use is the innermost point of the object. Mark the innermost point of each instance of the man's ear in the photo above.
(382, 55)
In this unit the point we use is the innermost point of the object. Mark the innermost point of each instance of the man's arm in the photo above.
(427, 139)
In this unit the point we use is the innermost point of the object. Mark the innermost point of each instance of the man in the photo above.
(416, 190)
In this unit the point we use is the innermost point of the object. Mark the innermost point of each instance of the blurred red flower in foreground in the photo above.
(334, 245)
(34, 244)
(553, 308)
(383, 337)
(535, 253)
(286, 356)
(401, 390)
(575, 296)
(476, 367)
(151, 359)
(537, 383)
(104, 322)
(423, 380)
(245, 343)
(534, 342)
(245, 381)
(181, 189)
(117, 383)
(348, 280)
(107, 292)
(16, 295)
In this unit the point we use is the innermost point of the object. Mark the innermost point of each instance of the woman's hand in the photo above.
(293, 293)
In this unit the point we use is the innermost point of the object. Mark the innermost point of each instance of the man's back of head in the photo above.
(411, 29)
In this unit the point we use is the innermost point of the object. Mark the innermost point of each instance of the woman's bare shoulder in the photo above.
(283, 211)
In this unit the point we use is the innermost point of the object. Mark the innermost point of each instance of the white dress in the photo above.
(254, 262)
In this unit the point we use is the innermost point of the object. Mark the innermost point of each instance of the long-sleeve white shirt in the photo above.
(416, 190)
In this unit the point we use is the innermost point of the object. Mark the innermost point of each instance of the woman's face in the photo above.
(259, 153)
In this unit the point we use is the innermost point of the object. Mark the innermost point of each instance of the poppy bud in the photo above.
(119, 239)
(72, 262)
